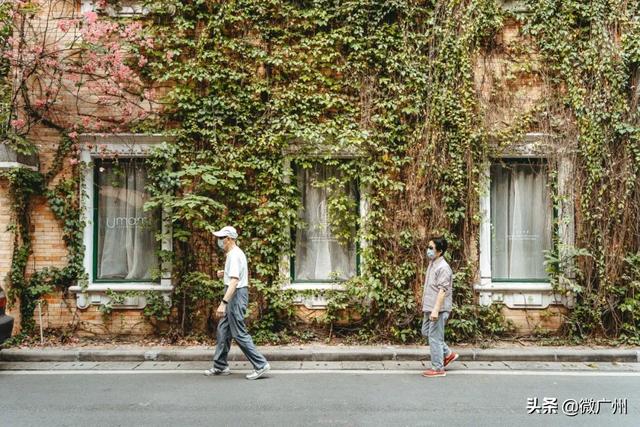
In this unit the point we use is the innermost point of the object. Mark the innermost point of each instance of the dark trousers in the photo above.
(232, 326)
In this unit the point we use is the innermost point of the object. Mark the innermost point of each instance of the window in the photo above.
(119, 236)
(124, 234)
(521, 220)
(319, 255)
(518, 223)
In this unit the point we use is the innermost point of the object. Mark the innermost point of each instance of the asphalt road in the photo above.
(292, 398)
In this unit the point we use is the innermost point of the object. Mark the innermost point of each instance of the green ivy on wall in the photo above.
(591, 57)
(251, 84)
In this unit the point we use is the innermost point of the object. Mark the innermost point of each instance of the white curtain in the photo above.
(126, 243)
(521, 220)
(319, 255)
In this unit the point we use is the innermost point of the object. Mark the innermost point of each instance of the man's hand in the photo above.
(436, 308)
(221, 310)
(220, 274)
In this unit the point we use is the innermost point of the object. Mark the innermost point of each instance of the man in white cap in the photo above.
(232, 309)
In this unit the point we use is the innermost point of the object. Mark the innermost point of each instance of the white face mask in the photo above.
(221, 243)
(431, 254)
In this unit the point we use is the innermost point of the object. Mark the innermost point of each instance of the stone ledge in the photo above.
(319, 354)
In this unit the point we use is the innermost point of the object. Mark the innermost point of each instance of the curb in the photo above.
(319, 355)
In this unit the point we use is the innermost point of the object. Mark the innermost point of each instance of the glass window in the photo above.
(521, 218)
(319, 255)
(124, 242)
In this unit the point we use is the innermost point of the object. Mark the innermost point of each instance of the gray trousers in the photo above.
(232, 326)
(434, 331)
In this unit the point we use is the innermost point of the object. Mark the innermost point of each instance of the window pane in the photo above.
(319, 255)
(126, 247)
(521, 220)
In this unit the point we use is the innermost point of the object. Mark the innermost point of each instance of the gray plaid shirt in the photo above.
(439, 276)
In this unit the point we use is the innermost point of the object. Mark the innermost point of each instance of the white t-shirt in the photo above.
(236, 266)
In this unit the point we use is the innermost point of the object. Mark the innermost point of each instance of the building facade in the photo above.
(526, 209)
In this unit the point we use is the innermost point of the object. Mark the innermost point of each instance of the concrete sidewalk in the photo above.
(317, 353)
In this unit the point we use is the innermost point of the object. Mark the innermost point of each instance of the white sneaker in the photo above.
(259, 372)
(216, 371)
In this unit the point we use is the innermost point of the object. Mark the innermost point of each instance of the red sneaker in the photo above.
(433, 373)
(451, 358)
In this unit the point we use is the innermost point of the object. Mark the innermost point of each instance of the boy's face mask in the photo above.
(431, 253)
(221, 243)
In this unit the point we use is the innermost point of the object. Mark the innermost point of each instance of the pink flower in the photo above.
(73, 135)
(132, 30)
(91, 17)
(73, 161)
(39, 103)
(94, 32)
(17, 123)
(123, 73)
(52, 63)
(142, 61)
(147, 42)
(89, 68)
(65, 25)
(169, 55)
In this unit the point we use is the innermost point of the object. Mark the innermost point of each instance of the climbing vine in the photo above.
(63, 200)
(592, 57)
(382, 92)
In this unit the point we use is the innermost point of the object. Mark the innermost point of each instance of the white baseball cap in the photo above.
(227, 231)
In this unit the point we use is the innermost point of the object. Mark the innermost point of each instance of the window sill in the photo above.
(313, 302)
(95, 294)
(16, 165)
(10, 158)
(512, 286)
(126, 10)
(520, 295)
(314, 286)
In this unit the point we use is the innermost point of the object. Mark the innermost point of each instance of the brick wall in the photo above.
(60, 312)
(6, 241)
(537, 321)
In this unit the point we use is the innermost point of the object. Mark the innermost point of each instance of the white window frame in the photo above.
(134, 9)
(523, 295)
(10, 159)
(515, 6)
(124, 146)
(318, 301)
